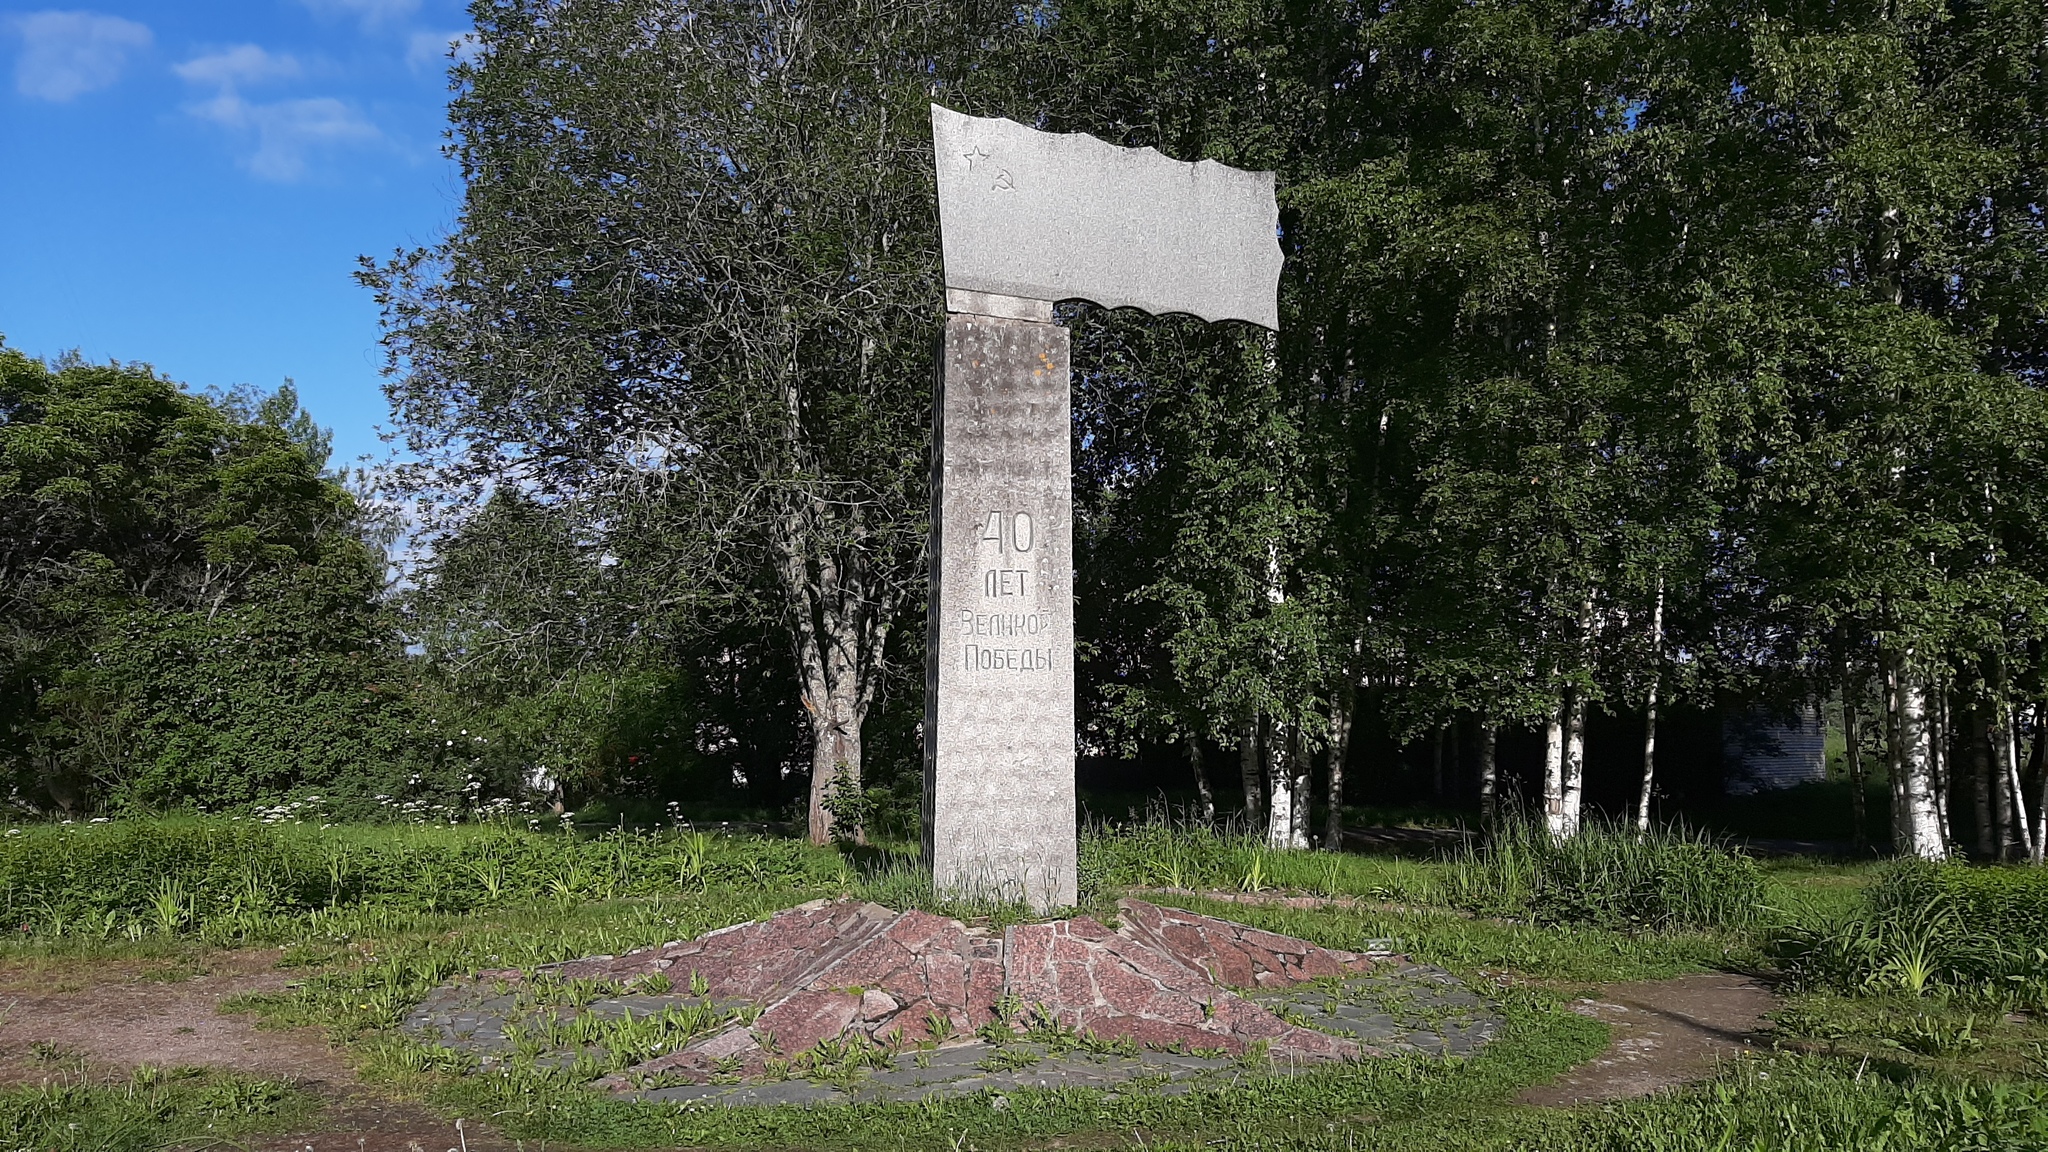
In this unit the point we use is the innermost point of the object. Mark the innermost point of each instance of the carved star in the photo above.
(973, 156)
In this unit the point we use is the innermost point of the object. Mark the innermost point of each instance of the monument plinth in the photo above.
(999, 699)
(1027, 218)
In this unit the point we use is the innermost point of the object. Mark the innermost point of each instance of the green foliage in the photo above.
(194, 614)
(1611, 876)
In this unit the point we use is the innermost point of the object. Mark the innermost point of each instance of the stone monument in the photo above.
(1027, 218)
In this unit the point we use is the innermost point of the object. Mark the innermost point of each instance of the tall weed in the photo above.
(1608, 876)
(1927, 928)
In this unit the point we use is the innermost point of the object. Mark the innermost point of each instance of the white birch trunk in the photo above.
(2009, 805)
(2038, 837)
(1938, 760)
(1924, 832)
(1574, 760)
(1553, 770)
(1650, 712)
(2017, 821)
(1279, 751)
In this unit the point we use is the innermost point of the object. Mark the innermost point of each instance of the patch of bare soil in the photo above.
(155, 1012)
(166, 1012)
(1666, 1033)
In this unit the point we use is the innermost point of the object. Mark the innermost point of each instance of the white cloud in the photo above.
(242, 64)
(286, 132)
(67, 54)
(372, 13)
(430, 49)
(282, 135)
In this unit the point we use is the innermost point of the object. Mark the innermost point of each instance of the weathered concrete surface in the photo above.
(999, 701)
(1051, 216)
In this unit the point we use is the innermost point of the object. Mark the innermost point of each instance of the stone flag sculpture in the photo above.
(1027, 218)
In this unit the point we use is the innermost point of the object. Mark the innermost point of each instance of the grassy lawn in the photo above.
(1901, 1027)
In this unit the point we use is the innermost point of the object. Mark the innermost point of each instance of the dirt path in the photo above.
(1666, 1033)
(167, 1013)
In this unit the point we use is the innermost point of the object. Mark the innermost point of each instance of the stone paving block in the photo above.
(786, 1092)
(683, 1094)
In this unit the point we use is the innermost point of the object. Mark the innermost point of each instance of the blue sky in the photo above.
(189, 184)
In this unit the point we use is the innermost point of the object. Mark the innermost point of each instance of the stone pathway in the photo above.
(846, 1001)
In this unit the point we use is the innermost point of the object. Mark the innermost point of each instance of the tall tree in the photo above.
(693, 293)
(1852, 237)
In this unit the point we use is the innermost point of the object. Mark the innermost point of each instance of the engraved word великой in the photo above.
(1005, 623)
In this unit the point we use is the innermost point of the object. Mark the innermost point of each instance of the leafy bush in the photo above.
(1932, 926)
(2007, 905)
(193, 616)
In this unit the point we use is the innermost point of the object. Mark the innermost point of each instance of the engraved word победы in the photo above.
(979, 659)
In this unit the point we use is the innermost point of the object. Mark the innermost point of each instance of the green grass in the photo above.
(234, 882)
(372, 918)
(72, 1111)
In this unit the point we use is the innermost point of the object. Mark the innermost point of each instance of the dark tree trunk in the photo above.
(1852, 734)
(1342, 704)
(1489, 775)
(1251, 770)
(1204, 797)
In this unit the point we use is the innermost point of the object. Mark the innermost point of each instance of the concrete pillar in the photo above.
(999, 700)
